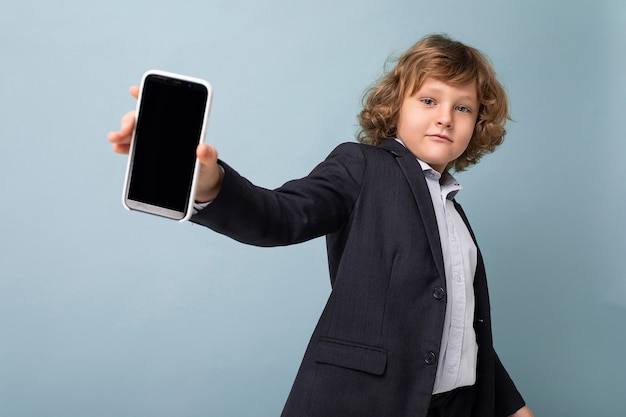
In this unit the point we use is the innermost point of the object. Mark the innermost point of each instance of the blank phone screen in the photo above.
(169, 126)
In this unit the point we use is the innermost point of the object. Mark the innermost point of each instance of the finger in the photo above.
(114, 137)
(127, 123)
(123, 136)
(134, 91)
(121, 148)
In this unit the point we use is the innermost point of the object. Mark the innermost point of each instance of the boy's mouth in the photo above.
(440, 136)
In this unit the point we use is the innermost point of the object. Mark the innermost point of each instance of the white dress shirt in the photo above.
(459, 350)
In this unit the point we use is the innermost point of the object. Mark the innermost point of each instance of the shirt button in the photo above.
(439, 293)
(430, 358)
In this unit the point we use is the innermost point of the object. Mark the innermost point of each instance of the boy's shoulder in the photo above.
(360, 158)
(387, 147)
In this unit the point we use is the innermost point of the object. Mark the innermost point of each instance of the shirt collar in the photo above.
(449, 185)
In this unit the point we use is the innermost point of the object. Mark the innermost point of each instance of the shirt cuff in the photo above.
(199, 206)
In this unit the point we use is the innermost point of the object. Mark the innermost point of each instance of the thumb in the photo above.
(210, 179)
(207, 155)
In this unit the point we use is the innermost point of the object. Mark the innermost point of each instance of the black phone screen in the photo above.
(168, 130)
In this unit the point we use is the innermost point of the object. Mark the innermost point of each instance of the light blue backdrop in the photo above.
(109, 313)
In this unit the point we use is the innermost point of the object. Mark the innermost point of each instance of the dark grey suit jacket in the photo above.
(375, 349)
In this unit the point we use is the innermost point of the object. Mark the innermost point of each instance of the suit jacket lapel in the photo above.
(415, 177)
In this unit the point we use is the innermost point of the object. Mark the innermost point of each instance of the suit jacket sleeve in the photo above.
(298, 211)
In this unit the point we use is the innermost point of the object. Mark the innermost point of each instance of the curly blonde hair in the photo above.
(442, 58)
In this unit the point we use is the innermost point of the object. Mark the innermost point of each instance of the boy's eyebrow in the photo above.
(470, 98)
(436, 90)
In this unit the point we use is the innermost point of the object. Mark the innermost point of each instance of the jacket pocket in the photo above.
(351, 355)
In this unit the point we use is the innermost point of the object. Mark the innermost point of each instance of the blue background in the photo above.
(105, 312)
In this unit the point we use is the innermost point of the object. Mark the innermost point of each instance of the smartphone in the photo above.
(172, 118)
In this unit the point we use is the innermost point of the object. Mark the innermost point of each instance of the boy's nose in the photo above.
(444, 119)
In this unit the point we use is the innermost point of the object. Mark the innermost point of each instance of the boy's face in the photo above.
(437, 123)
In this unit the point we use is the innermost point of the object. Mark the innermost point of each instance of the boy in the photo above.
(407, 329)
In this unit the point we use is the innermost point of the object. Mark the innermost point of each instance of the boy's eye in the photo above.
(463, 109)
(428, 101)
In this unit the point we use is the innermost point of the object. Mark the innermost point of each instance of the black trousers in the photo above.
(455, 403)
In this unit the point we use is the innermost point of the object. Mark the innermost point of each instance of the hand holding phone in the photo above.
(171, 120)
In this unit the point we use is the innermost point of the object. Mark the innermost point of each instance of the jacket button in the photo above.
(439, 293)
(430, 358)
